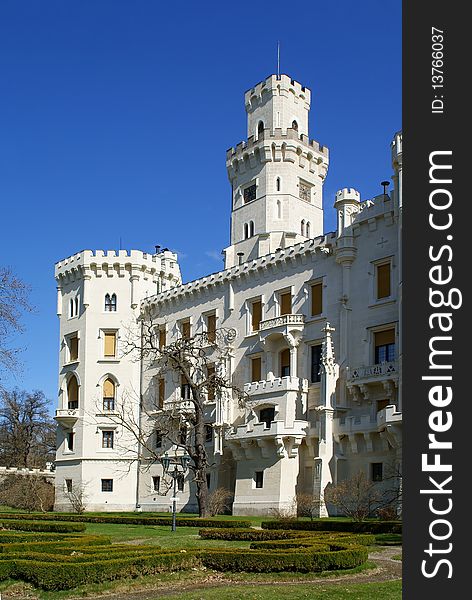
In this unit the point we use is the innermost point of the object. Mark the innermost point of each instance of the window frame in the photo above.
(376, 474)
(316, 283)
(279, 295)
(104, 334)
(111, 304)
(258, 479)
(108, 482)
(107, 435)
(315, 344)
(382, 329)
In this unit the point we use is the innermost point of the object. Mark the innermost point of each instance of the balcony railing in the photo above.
(374, 371)
(281, 321)
(278, 384)
(67, 415)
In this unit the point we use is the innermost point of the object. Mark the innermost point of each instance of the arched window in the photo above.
(110, 303)
(295, 125)
(109, 390)
(76, 306)
(285, 363)
(277, 184)
(279, 209)
(251, 228)
(246, 231)
(308, 229)
(71, 307)
(303, 227)
(72, 393)
(260, 128)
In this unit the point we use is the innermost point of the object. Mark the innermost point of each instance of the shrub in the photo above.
(242, 534)
(219, 501)
(327, 525)
(49, 526)
(132, 520)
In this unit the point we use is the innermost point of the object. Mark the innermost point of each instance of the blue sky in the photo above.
(105, 103)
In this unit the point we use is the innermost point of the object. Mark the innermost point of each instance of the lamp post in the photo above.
(176, 462)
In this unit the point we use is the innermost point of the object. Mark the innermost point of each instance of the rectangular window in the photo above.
(180, 482)
(285, 301)
(156, 483)
(162, 338)
(285, 363)
(316, 299)
(315, 363)
(383, 281)
(185, 391)
(158, 439)
(266, 416)
(185, 329)
(208, 433)
(256, 315)
(211, 382)
(70, 440)
(250, 193)
(211, 328)
(161, 392)
(384, 346)
(107, 485)
(109, 347)
(107, 439)
(73, 348)
(377, 471)
(256, 369)
(259, 479)
(68, 485)
(182, 435)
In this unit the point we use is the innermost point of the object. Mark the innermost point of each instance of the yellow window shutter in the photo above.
(256, 315)
(74, 348)
(211, 327)
(186, 329)
(286, 303)
(383, 281)
(256, 373)
(317, 299)
(110, 344)
(108, 389)
(162, 338)
(382, 338)
(162, 391)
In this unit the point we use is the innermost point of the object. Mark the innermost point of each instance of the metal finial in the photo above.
(278, 59)
(385, 185)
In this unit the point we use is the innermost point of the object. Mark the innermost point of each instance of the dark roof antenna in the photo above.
(385, 185)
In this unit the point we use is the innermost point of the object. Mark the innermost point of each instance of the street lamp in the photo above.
(176, 462)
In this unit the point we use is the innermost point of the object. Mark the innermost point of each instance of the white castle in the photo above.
(317, 346)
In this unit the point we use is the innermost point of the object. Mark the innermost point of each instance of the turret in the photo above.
(277, 175)
(347, 206)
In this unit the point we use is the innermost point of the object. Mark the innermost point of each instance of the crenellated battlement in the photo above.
(281, 85)
(165, 263)
(347, 195)
(276, 136)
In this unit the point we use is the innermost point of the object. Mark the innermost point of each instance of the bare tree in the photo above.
(308, 505)
(76, 495)
(27, 492)
(27, 432)
(357, 497)
(198, 366)
(13, 302)
(219, 501)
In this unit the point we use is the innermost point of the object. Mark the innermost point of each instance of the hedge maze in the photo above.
(58, 555)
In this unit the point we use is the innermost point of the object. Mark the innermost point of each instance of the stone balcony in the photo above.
(284, 325)
(389, 416)
(66, 416)
(361, 379)
(278, 385)
(247, 440)
(386, 424)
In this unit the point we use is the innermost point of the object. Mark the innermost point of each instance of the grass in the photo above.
(183, 580)
(390, 590)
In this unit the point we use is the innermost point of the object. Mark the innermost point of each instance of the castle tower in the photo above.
(98, 303)
(277, 175)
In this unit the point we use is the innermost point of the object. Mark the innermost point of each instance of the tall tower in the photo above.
(277, 175)
(98, 303)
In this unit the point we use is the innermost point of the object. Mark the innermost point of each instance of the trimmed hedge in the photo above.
(337, 557)
(49, 526)
(130, 520)
(77, 542)
(345, 526)
(243, 534)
